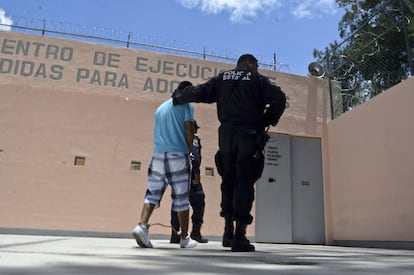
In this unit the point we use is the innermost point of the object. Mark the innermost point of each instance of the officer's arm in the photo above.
(276, 105)
(205, 93)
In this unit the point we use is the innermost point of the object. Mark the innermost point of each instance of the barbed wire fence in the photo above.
(110, 36)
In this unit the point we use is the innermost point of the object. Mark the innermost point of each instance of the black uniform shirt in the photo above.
(241, 97)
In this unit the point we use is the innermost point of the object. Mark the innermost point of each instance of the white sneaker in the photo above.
(141, 235)
(188, 243)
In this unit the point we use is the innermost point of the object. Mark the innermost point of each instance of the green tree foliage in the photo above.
(378, 40)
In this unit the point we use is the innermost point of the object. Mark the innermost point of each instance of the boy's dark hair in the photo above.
(181, 85)
(184, 84)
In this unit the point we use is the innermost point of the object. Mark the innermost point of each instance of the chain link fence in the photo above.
(120, 38)
(374, 57)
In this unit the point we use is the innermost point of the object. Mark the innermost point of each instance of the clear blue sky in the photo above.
(291, 29)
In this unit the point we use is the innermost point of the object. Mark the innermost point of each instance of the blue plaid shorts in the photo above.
(169, 169)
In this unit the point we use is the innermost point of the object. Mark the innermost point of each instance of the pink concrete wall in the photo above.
(369, 166)
(42, 132)
(81, 99)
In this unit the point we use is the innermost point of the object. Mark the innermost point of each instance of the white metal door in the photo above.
(273, 193)
(289, 195)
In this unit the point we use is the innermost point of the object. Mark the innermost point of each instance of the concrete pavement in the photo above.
(40, 254)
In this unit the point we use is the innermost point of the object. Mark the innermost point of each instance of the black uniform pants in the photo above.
(238, 146)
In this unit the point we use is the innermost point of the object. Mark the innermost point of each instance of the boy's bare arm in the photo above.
(189, 126)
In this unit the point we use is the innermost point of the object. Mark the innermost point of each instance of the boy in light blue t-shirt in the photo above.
(170, 164)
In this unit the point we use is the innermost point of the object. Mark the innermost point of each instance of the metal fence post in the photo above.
(129, 39)
(407, 42)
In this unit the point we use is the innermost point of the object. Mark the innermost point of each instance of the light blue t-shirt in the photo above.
(169, 127)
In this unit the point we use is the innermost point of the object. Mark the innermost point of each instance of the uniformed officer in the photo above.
(247, 102)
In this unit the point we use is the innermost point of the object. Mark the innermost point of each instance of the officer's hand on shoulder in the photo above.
(176, 96)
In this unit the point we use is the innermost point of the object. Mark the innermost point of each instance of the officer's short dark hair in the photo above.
(246, 57)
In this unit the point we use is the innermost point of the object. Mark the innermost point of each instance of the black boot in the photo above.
(240, 243)
(196, 234)
(175, 236)
(228, 231)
